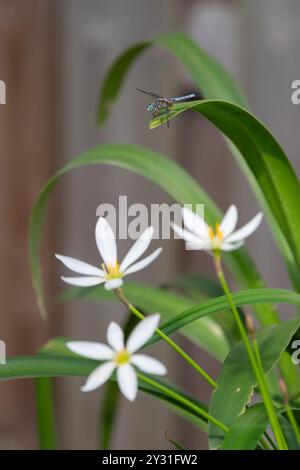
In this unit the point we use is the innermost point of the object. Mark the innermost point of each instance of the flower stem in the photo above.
(119, 293)
(288, 409)
(257, 368)
(184, 401)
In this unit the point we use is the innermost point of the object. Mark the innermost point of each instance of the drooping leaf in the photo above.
(171, 178)
(207, 332)
(217, 83)
(175, 311)
(51, 363)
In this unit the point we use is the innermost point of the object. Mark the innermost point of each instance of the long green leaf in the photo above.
(264, 157)
(207, 332)
(216, 82)
(171, 178)
(206, 72)
(237, 380)
(56, 365)
(175, 311)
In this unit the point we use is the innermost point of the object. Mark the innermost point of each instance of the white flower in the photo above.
(200, 236)
(112, 272)
(120, 356)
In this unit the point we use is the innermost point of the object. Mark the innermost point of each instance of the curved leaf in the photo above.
(207, 332)
(264, 157)
(56, 365)
(171, 178)
(216, 82)
(208, 73)
(176, 312)
(237, 380)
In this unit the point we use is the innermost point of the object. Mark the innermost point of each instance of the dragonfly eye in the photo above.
(149, 107)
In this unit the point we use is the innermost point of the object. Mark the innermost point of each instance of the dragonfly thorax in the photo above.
(150, 107)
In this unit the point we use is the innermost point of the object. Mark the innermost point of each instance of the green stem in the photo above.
(293, 421)
(288, 409)
(178, 349)
(184, 401)
(45, 413)
(261, 369)
(270, 441)
(256, 369)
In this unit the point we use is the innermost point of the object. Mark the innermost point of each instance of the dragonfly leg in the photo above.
(168, 122)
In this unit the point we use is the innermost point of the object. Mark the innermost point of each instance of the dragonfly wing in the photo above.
(150, 93)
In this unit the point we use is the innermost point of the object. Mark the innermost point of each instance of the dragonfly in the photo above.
(162, 105)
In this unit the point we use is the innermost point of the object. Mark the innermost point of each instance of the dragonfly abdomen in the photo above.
(189, 97)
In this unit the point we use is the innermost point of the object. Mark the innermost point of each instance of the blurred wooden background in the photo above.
(53, 56)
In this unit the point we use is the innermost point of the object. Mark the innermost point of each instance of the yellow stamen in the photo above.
(211, 233)
(112, 271)
(219, 233)
(122, 357)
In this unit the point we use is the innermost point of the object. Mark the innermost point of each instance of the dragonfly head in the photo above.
(150, 107)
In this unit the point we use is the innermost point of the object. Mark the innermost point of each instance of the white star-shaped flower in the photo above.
(111, 272)
(200, 236)
(120, 356)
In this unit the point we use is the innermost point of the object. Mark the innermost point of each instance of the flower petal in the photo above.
(137, 249)
(148, 364)
(195, 223)
(115, 336)
(229, 221)
(98, 377)
(144, 262)
(91, 349)
(185, 234)
(127, 381)
(113, 284)
(232, 246)
(83, 281)
(142, 333)
(79, 266)
(246, 230)
(190, 246)
(105, 239)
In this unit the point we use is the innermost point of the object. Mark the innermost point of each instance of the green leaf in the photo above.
(175, 443)
(288, 430)
(216, 82)
(54, 364)
(206, 72)
(45, 413)
(175, 311)
(207, 332)
(247, 429)
(108, 413)
(195, 286)
(264, 157)
(237, 381)
(171, 178)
